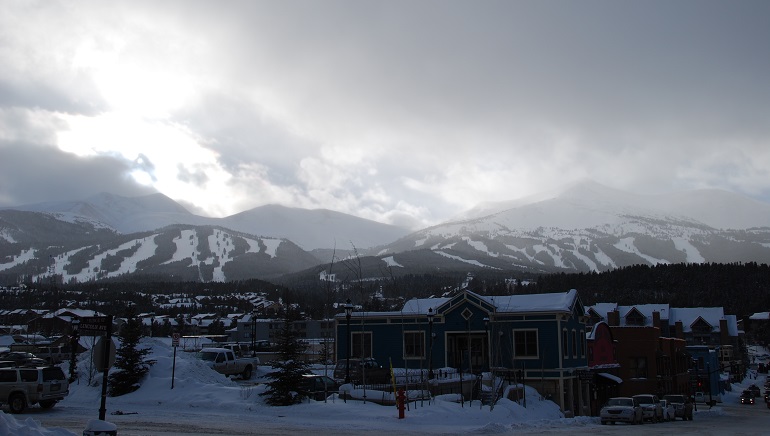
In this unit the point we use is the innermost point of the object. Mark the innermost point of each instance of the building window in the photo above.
(414, 345)
(564, 343)
(638, 367)
(574, 344)
(525, 343)
(362, 344)
(582, 343)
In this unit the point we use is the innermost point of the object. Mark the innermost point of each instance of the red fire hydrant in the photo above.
(400, 400)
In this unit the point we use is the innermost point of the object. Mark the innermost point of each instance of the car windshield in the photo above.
(208, 356)
(620, 402)
(674, 398)
(644, 400)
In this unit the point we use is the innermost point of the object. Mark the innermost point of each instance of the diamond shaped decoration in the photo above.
(467, 314)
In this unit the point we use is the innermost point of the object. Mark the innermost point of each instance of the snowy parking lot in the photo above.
(204, 402)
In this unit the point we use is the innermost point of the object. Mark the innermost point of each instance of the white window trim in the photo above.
(403, 348)
(537, 343)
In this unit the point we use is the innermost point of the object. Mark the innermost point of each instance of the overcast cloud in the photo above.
(405, 112)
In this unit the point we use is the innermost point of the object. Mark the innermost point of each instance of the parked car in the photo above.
(23, 358)
(22, 387)
(682, 406)
(318, 387)
(669, 411)
(650, 406)
(755, 390)
(365, 370)
(623, 409)
(224, 361)
(747, 397)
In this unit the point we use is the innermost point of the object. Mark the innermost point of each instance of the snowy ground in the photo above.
(202, 397)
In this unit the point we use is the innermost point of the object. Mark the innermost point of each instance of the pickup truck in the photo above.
(224, 361)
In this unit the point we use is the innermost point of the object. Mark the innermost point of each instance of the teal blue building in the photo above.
(540, 336)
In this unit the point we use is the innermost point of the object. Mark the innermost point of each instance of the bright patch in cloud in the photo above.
(166, 155)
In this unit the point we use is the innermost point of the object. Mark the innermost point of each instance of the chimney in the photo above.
(679, 330)
(724, 334)
(656, 319)
(613, 318)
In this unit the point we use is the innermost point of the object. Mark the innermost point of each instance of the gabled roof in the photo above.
(711, 315)
(602, 309)
(646, 310)
(701, 321)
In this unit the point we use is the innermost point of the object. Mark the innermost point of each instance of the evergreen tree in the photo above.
(290, 366)
(131, 364)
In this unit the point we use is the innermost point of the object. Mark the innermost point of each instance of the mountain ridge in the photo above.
(584, 227)
(308, 228)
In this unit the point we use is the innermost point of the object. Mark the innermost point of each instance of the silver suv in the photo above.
(22, 387)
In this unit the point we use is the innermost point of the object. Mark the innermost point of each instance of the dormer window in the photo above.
(635, 318)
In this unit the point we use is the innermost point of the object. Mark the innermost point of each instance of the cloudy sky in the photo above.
(404, 112)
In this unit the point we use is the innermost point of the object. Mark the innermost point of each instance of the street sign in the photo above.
(99, 360)
(94, 325)
(175, 339)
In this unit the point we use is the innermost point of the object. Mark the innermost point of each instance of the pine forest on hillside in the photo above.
(741, 288)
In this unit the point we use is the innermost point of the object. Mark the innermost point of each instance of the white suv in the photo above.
(22, 387)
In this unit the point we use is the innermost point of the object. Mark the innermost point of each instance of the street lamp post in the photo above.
(430, 343)
(254, 333)
(74, 349)
(348, 314)
(486, 334)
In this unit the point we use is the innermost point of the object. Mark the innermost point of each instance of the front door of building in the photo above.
(472, 359)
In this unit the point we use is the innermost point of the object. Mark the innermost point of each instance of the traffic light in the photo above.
(700, 383)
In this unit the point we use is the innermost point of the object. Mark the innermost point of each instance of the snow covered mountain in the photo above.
(584, 227)
(589, 227)
(37, 245)
(309, 229)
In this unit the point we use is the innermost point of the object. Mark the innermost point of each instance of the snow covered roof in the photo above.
(602, 309)
(711, 315)
(554, 302)
(421, 305)
(646, 310)
(760, 316)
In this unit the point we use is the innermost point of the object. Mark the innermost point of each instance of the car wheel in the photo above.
(17, 403)
(246, 373)
(47, 404)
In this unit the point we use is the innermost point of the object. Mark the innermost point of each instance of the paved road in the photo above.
(724, 419)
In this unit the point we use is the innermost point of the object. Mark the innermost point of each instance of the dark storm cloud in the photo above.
(32, 173)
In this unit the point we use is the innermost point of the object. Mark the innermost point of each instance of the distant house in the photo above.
(603, 364)
(696, 326)
(541, 336)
